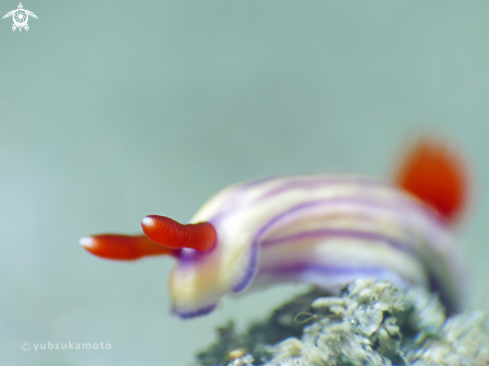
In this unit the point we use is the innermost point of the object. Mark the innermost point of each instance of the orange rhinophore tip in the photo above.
(172, 234)
(122, 247)
(435, 174)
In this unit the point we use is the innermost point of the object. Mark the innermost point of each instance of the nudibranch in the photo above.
(322, 229)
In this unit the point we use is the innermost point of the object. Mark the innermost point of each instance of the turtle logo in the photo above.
(20, 16)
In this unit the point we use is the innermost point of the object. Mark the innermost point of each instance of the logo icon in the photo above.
(20, 17)
(26, 346)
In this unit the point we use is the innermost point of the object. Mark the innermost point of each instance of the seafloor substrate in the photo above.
(371, 323)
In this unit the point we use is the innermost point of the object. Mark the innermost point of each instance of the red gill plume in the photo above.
(436, 174)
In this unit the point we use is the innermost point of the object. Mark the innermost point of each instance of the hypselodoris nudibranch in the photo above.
(323, 229)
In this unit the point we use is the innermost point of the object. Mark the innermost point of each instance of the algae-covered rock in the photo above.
(372, 323)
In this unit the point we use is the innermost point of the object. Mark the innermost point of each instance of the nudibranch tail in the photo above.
(171, 234)
(123, 247)
(435, 174)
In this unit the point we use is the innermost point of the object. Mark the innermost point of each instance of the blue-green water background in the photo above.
(111, 110)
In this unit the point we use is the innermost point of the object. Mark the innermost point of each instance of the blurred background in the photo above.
(113, 110)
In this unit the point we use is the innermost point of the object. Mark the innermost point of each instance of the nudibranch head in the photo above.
(323, 229)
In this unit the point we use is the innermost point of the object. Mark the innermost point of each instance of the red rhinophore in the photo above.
(437, 176)
(172, 234)
(122, 247)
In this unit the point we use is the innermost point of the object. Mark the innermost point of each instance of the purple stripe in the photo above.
(293, 181)
(188, 256)
(430, 217)
(328, 270)
(401, 203)
(336, 233)
(251, 268)
(193, 314)
(315, 181)
(320, 183)
(312, 181)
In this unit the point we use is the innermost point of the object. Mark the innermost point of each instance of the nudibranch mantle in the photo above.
(324, 229)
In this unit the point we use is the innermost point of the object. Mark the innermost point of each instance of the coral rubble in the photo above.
(372, 323)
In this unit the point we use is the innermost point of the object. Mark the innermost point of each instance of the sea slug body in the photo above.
(323, 229)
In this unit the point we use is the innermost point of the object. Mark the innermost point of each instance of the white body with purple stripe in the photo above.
(323, 229)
